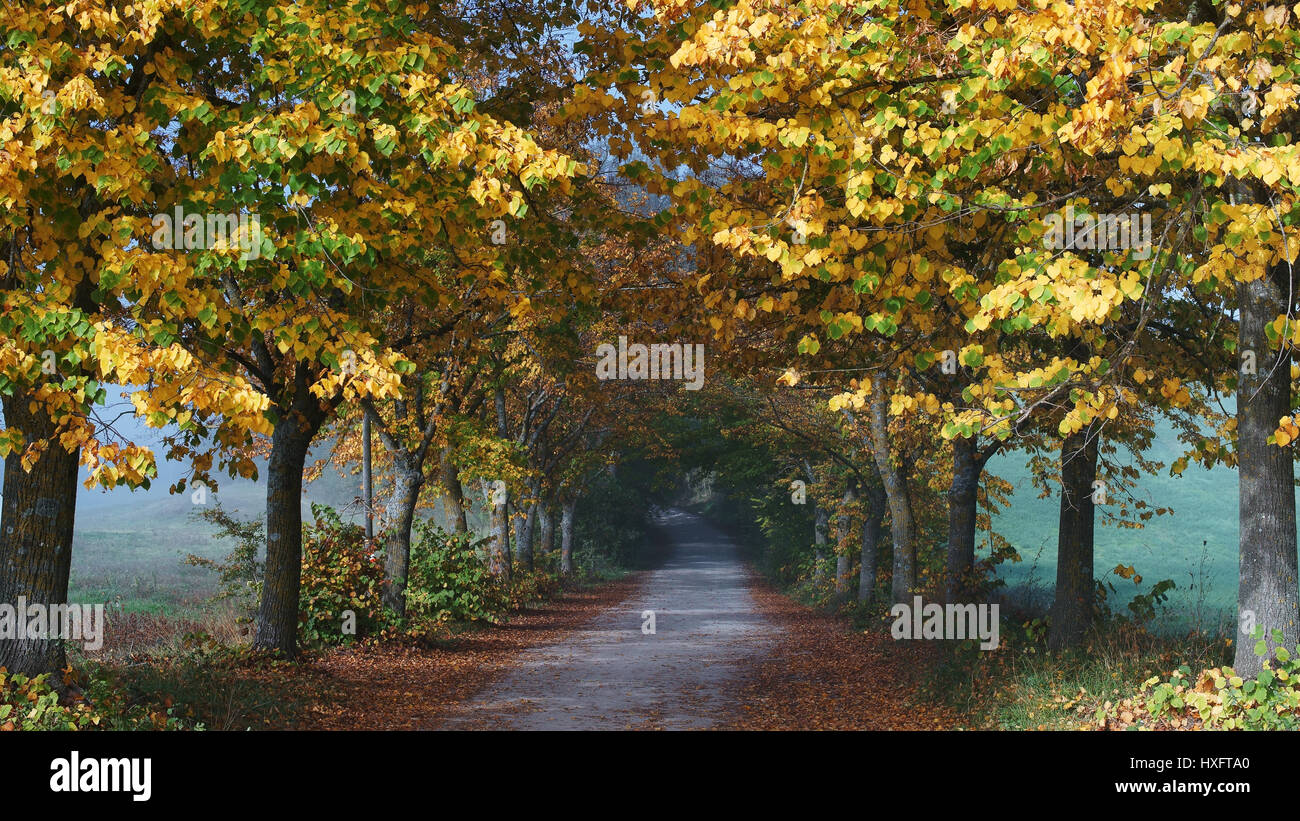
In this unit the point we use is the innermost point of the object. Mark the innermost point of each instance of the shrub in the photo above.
(531, 586)
(342, 583)
(1142, 608)
(447, 579)
(339, 575)
(1219, 698)
(32, 703)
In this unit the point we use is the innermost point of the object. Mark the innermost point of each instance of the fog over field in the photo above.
(131, 543)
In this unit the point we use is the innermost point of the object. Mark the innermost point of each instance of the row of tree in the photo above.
(268, 220)
(985, 225)
(950, 228)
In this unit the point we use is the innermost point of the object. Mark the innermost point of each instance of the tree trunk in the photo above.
(524, 532)
(843, 562)
(1266, 592)
(36, 521)
(547, 538)
(397, 555)
(1071, 613)
(821, 522)
(499, 560)
(872, 518)
(962, 496)
(524, 537)
(902, 525)
(453, 498)
(277, 615)
(566, 538)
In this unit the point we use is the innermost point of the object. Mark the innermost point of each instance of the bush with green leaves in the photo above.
(1221, 699)
(448, 580)
(341, 597)
(529, 586)
(783, 528)
(33, 703)
(342, 579)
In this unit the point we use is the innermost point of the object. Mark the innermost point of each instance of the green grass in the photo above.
(132, 544)
(1019, 686)
(1195, 546)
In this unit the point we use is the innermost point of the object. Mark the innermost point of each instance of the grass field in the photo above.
(1195, 546)
(132, 544)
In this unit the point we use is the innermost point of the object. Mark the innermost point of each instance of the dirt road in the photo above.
(615, 673)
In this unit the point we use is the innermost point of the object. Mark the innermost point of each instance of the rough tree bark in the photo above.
(524, 529)
(453, 498)
(821, 522)
(499, 551)
(277, 614)
(843, 562)
(1266, 592)
(1072, 609)
(873, 516)
(407, 481)
(894, 477)
(36, 522)
(566, 537)
(967, 465)
(546, 540)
